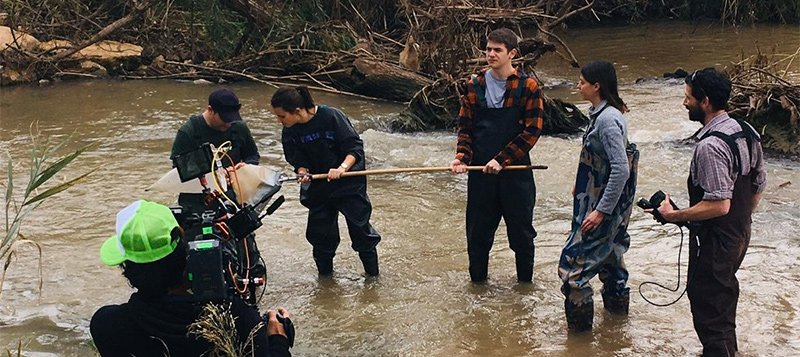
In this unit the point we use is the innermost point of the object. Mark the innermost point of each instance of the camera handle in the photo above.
(273, 207)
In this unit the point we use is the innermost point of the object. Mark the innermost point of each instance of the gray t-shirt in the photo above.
(495, 89)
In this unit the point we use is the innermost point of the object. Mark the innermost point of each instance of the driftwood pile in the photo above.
(764, 97)
(448, 38)
(413, 51)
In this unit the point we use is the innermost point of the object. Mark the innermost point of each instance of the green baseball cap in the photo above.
(144, 234)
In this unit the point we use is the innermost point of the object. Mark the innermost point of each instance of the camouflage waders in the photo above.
(600, 251)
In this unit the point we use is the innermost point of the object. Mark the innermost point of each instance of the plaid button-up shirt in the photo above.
(712, 165)
(531, 98)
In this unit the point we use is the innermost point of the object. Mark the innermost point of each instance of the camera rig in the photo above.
(223, 258)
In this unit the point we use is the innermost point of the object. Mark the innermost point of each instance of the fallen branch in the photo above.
(274, 84)
(138, 9)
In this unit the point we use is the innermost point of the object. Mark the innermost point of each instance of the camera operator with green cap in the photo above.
(150, 250)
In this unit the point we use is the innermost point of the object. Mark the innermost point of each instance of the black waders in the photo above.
(509, 194)
(322, 230)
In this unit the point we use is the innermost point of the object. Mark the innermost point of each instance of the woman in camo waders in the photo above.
(603, 196)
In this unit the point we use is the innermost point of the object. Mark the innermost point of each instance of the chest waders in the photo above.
(325, 200)
(599, 251)
(509, 194)
(716, 250)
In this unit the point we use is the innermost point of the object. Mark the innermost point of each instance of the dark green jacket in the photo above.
(195, 132)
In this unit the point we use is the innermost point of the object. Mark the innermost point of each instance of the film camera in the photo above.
(223, 258)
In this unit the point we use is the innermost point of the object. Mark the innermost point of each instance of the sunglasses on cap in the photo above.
(696, 86)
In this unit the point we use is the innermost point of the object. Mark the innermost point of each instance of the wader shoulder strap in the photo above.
(520, 87)
(747, 132)
(593, 119)
(730, 140)
(595, 115)
(480, 92)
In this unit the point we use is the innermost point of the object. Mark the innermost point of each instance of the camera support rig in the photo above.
(223, 258)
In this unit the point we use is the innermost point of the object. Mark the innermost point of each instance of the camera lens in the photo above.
(643, 203)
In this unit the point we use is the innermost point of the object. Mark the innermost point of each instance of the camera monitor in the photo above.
(193, 164)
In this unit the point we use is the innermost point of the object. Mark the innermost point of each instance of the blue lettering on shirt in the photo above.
(330, 135)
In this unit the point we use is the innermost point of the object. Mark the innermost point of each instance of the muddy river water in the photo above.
(423, 304)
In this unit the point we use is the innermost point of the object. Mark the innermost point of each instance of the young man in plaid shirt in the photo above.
(499, 122)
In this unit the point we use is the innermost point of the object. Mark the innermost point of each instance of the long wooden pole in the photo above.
(424, 169)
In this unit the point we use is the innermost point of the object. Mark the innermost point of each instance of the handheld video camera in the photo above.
(655, 201)
(223, 258)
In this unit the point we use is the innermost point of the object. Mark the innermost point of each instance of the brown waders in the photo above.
(716, 251)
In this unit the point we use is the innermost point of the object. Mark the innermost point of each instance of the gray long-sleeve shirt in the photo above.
(612, 129)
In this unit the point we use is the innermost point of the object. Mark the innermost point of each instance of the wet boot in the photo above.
(524, 270)
(617, 305)
(579, 318)
(479, 270)
(370, 261)
(324, 264)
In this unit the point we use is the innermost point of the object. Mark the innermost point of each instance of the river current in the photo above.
(423, 304)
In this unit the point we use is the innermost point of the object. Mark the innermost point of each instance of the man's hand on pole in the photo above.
(457, 167)
(492, 167)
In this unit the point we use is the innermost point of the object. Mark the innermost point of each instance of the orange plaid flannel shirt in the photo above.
(531, 98)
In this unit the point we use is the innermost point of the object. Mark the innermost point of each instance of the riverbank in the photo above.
(409, 51)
